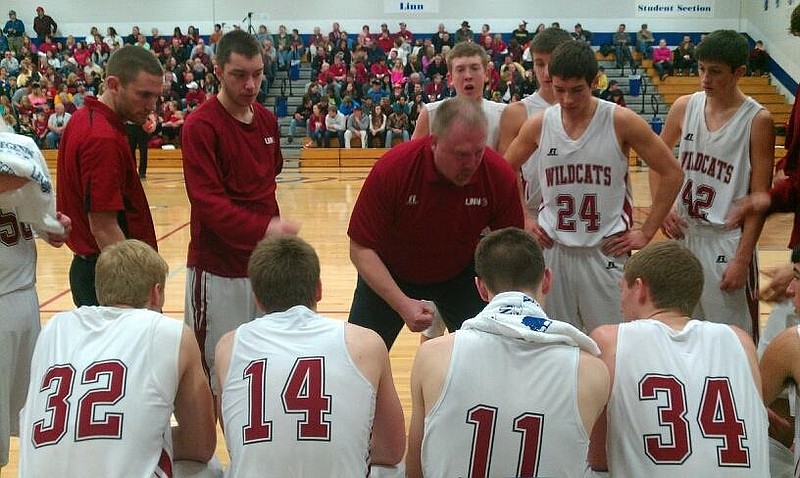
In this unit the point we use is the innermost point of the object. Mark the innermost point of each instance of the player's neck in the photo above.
(670, 318)
(725, 100)
(548, 95)
(243, 113)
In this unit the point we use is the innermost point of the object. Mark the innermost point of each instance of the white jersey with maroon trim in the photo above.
(530, 170)
(586, 192)
(492, 109)
(684, 403)
(294, 403)
(103, 384)
(17, 253)
(716, 165)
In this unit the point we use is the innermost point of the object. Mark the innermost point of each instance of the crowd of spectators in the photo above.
(387, 76)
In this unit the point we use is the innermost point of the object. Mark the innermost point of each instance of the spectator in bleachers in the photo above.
(40, 128)
(435, 90)
(357, 126)
(335, 125)
(514, 50)
(539, 29)
(133, 37)
(79, 96)
(438, 38)
(662, 59)
(171, 120)
(191, 38)
(28, 49)
(521, 33)
(758, 61)
(416, 106)
(379, 70)
(70, 44)
(413, 85)
(3, 42)
(55, 126)
(492, 80)
(396, 125)
(283, 42)
(215, 36)
(141, 41)
(194, 95)
(82, 54)
(644, 41)
(177, 34)
(298, 47)
(44, 24)
(300, 117)
(485, 32)
(14, 30)
(622, 48)
(397, 74)
(527, 86)
(316, 127)
(47, 45)
(377, 127)
(404, 33)
(413, 66)
(157, 42)
(319, 40)
(385, 41)
(99, 50)
(335, 34)
(27, 73)
(613, 85)
(437, 67)
(263, 34)
(348, 105)
(338, 70)
(464, 33)
(685, 61)
(10, 63)
(341, 50)
(581, 35)
(112, 39)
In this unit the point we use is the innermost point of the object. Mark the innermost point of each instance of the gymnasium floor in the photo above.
(321, 200)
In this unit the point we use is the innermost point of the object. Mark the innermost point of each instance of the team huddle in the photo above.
(569, 355)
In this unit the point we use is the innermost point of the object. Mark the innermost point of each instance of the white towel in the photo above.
(34, 202)
(516, 315)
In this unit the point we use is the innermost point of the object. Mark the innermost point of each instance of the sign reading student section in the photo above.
(673, 8)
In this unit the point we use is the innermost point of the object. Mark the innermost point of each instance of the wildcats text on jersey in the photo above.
(578, 173)
(706, 164)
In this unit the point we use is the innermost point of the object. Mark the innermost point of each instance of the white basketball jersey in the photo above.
(294, 404)
(103, 384)
(684, 403)
(586, 194)
(491, 109)
(716, 165)
(530, 170)
(17, 253)
(507, 408)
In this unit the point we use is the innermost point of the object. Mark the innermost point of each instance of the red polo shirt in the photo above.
(96, 173)
(423, 227)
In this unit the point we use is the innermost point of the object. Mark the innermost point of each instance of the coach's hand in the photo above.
(779, 279)
(417, 314)
(735, 275)
(281, 227)
(756, 203)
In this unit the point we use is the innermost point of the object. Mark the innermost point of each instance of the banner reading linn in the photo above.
(675, 8)
(411, 6)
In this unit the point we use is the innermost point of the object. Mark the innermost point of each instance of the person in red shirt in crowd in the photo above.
(404, 33)
(98, 187)
(48, 45)
(379, 69)
(417, 221)
(231, 157)
(385, 41)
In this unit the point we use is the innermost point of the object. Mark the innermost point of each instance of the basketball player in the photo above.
(780, 366)
(585, 223)
(417, 221)
(727, 143)
(515, 114)
(105, 380)
(98, 187)
(18, 299)
(304, 395)
(466, 72)
(231, 157)
(686, 394)
(467, 417)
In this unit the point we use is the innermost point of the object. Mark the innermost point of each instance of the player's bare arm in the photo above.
(780, 364)
(415, 313)
(511, 120)
(222, 361)
(10, 183)
(762, 151)
(195, 437)
(673, 225)
(634, 132)
(388, 426)
(593, 389)
(105, 228)
(606, 338)
(422, 128)
(525, 143)
(752, 357)
(427, 379)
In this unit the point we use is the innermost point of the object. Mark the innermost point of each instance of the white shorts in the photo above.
(781, 460)
(715, 248)
(585, 289)
(214, 306)
(18, 332)
(195, 469)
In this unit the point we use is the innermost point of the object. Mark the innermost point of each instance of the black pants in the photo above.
(457, 300)
(137, 138)
(81, 280)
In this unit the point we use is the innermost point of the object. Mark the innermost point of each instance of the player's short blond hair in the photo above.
(672, 273)
(126, 273)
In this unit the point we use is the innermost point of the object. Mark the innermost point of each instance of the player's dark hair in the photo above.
(796, 255)
(725, 46)
(549, 39)
(671, 272)
(508, 260)
(794, 23)
(236, 41)
(127, 62)
(284, 272)
(573, 60)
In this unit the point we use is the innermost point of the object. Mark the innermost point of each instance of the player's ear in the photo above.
(547, 281)
(155, 301)
(483, 291)
(318, 293)
(258, 303)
